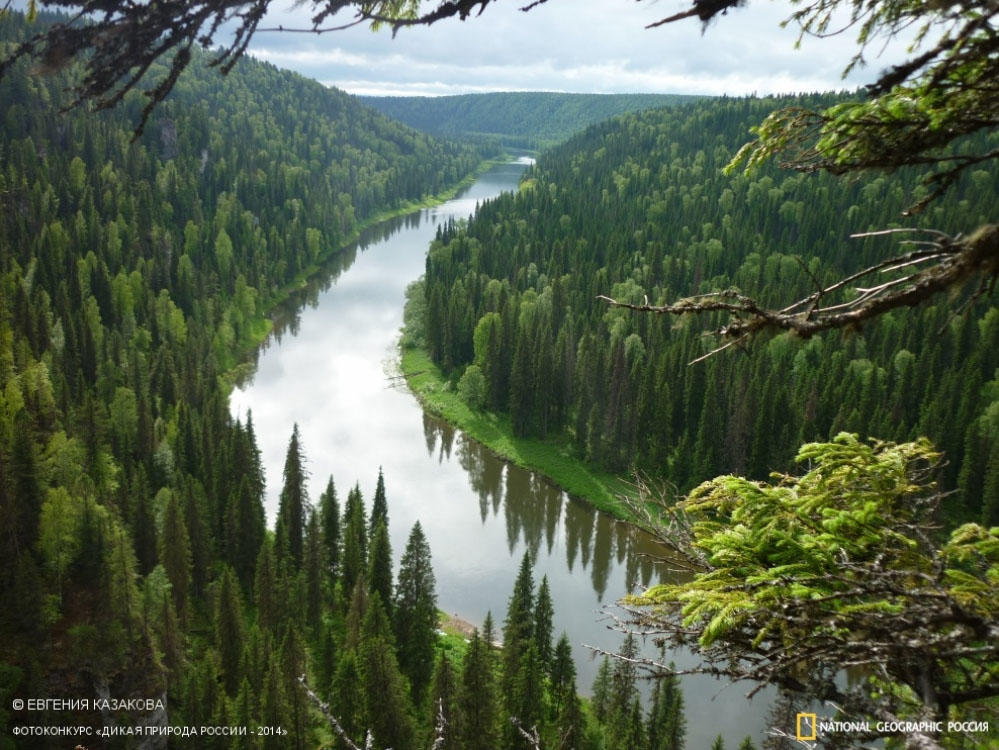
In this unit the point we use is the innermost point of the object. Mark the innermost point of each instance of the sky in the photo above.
(588, 46)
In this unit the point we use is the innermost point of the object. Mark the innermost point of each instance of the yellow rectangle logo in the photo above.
(805, 723)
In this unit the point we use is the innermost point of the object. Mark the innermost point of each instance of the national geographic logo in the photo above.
(804, 727)
(807, 727)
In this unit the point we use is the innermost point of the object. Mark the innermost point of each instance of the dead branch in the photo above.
(955, 262)
(324, 709)
(531, 735)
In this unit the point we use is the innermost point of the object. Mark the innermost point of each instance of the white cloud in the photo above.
(599, 46)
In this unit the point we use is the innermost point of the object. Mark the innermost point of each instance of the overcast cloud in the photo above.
(592, 46)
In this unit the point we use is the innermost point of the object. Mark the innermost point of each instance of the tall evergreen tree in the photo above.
(175, 553)
(388, 710)
(312, 571)
(290, 526)
(518, 627)
(355, 542)
(380, 566)
(245, 527)
(478, 704)
(265, 587)
(415, 617)
(544, 612)
(442, 711)
(379, 506)
(329, 521)
(666, 724)
(274, 709)
(228, 629)
(601, 691)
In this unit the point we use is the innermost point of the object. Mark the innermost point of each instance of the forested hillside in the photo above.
(639, 208)
(528, 119)
(134, 560)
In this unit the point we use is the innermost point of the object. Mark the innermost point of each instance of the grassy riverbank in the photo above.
(235, 363)
(600, 489)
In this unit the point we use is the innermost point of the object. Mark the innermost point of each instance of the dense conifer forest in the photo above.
(638, 209)
(134, 275)
(522, 119)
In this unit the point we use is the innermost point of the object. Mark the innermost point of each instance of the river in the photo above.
(331, 366)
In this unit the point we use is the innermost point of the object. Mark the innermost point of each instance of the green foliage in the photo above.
(840, 561)
(472, 387)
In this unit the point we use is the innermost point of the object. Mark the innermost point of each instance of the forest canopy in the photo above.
(916, 113)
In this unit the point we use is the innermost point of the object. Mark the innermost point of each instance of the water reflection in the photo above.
(539, 516)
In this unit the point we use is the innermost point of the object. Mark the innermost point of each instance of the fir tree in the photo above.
(544, 612)
(292, 666)
(478, 709)
(244, 530)
(312, 570)
(666, 725)
(329, 521)
(518, 627)
(175, 553)
(229, 629)
(274, 711)
(719, 743)
(355, 541)
(601, 691)
(379, 506)
(265, 587)
(388, 711)
(380, 566)
(442, 706)
(290, 526)
(416, 612)
(747, 743)
(346, 699)
(527, 702)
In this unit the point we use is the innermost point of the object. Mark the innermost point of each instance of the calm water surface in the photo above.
(331, 366)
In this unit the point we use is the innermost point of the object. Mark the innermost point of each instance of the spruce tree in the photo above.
(228, 628)
(292, 666)
(290, 526)
(442, 712)
(666, 725)
(175, 553)
(265, 587)
(388, 710)
(379, 506)
(355, 542)
(274, 711)
(415, 618)
(527, 702)
(544, 612)
(478, 705)
(244, 530)
(380, 566)
(518, 627)
(601, 691)
(329, 521)
(719, 743)
(312, 570)
(346, 700)
(747, 743)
